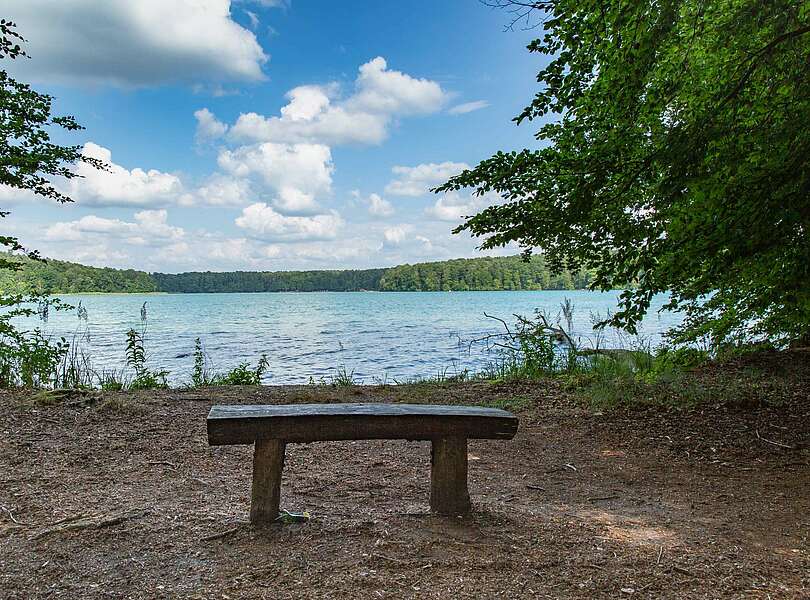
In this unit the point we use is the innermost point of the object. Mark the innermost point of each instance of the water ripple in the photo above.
(384, 336)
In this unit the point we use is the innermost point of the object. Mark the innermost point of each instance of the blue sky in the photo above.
(268, 135)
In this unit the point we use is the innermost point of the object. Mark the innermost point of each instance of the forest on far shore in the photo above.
(488, 273)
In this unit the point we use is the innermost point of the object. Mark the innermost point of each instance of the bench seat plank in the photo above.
(325, 422)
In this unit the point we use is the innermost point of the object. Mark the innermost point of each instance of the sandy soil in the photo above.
(119, 496)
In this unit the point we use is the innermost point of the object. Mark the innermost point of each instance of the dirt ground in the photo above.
(119, 496)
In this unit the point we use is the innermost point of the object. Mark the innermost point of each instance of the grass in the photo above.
(203, 375)
(343, 377)
(512, 404)
(120, 405)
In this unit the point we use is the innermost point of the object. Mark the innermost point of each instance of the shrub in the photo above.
(242, 374)
(136, 359)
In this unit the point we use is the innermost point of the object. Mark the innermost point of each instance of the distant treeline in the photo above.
(463, 274)
(56, 276)
(268, 281)
(503, 273)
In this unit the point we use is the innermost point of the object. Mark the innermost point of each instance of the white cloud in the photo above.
(292, 176)
(119, 186)
(254, 19)
(150, 227)
(128, 243)
(468, 107)
(292, 201)
(404, 242)
(418, 180)
(295, 172)
(208, 126)
(454, 206)
(334, 126)
(381, 90)
(12, 195)
(268, 3)
(266, 223)
(378, 206)
(396, 235)
(127, 43)
(116, 186)
(315, 113)
(221, 190)
(306, 102)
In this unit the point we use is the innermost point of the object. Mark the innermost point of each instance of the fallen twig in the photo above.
(68, 519)
(11, 516)
(391, 559)
(219, 535)
(73, 523)
(780, 444)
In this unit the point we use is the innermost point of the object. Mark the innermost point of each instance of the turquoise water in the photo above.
(379, 336)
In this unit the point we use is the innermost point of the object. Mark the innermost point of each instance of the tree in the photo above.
(673, 157)
(28, 158)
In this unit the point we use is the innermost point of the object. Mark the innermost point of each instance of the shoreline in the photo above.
(162, 293)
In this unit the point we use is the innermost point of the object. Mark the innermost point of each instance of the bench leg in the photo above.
(268, 462)
(448, 477)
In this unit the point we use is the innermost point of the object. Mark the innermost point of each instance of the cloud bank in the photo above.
(134, 43)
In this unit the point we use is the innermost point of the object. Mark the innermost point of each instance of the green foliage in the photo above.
(487, 273)
(528, 350)
(59, 277)
(674, 156)
(537, 348)
(513, 404)
(282, 281)
(242, 374)
(149, 380)
(199, 376)
(145, 379)
(668, 360)
(30, 359)
(74, 370)
(135, 352)
(343, 377)
(501, 273)
(113, 381)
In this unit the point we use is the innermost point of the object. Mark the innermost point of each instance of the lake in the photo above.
(381, 337)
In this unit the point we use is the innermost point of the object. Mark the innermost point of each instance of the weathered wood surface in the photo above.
(324, 422)
(448, 477)
(265, 495)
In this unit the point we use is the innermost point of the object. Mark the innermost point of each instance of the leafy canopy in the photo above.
(673, 156)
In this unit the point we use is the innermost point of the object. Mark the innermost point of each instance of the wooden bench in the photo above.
(271, 427)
